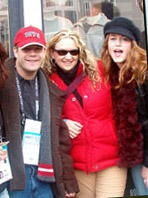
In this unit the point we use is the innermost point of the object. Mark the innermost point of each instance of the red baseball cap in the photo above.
(29, 36)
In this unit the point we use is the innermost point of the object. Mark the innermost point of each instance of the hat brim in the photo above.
(121, 31)
(33, 43)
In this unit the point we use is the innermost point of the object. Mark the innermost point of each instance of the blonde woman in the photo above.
(125, 67)
(96, 151)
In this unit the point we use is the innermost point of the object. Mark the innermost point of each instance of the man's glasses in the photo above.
(61, 52)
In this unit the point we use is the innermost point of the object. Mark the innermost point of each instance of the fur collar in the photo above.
(126, 120)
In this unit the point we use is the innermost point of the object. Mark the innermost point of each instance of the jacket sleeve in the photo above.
(142, 99)
(69, 178)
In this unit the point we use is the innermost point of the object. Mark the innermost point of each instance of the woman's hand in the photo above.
(73, 127)
(144, 174)
(3, 153)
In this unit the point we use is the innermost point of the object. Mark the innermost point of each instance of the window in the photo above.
(84, 17)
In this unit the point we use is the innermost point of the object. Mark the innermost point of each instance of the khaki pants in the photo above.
(106, 183)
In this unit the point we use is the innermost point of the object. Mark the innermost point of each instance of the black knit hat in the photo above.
(124, 27)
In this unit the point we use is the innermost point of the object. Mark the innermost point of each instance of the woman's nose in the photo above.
(118, 42)
(68, 55)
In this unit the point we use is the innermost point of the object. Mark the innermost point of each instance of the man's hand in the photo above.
(70, 195)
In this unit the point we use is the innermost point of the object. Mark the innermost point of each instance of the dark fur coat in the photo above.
(129, 133)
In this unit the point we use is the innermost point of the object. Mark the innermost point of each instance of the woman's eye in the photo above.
(125, 39)
(112, 38)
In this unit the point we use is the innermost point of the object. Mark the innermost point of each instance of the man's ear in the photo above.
(15, 51)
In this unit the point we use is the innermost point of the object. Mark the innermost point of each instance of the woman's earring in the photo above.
(53, 61)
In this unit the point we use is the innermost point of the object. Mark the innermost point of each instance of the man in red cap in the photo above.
(39, 142)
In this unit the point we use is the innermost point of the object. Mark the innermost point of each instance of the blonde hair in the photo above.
(136, 63)
(88, 61)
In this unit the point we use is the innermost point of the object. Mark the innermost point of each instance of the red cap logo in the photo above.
(29, 36)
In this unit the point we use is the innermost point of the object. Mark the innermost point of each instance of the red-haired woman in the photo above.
(126, 66)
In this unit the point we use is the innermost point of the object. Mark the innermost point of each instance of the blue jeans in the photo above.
(138, 181)
(4, 194)
(34, 188)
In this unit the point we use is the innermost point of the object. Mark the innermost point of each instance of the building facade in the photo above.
(54, 15)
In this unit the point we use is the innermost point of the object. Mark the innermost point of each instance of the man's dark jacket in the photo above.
(62, 163)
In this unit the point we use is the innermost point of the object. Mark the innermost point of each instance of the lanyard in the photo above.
(21, 98)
